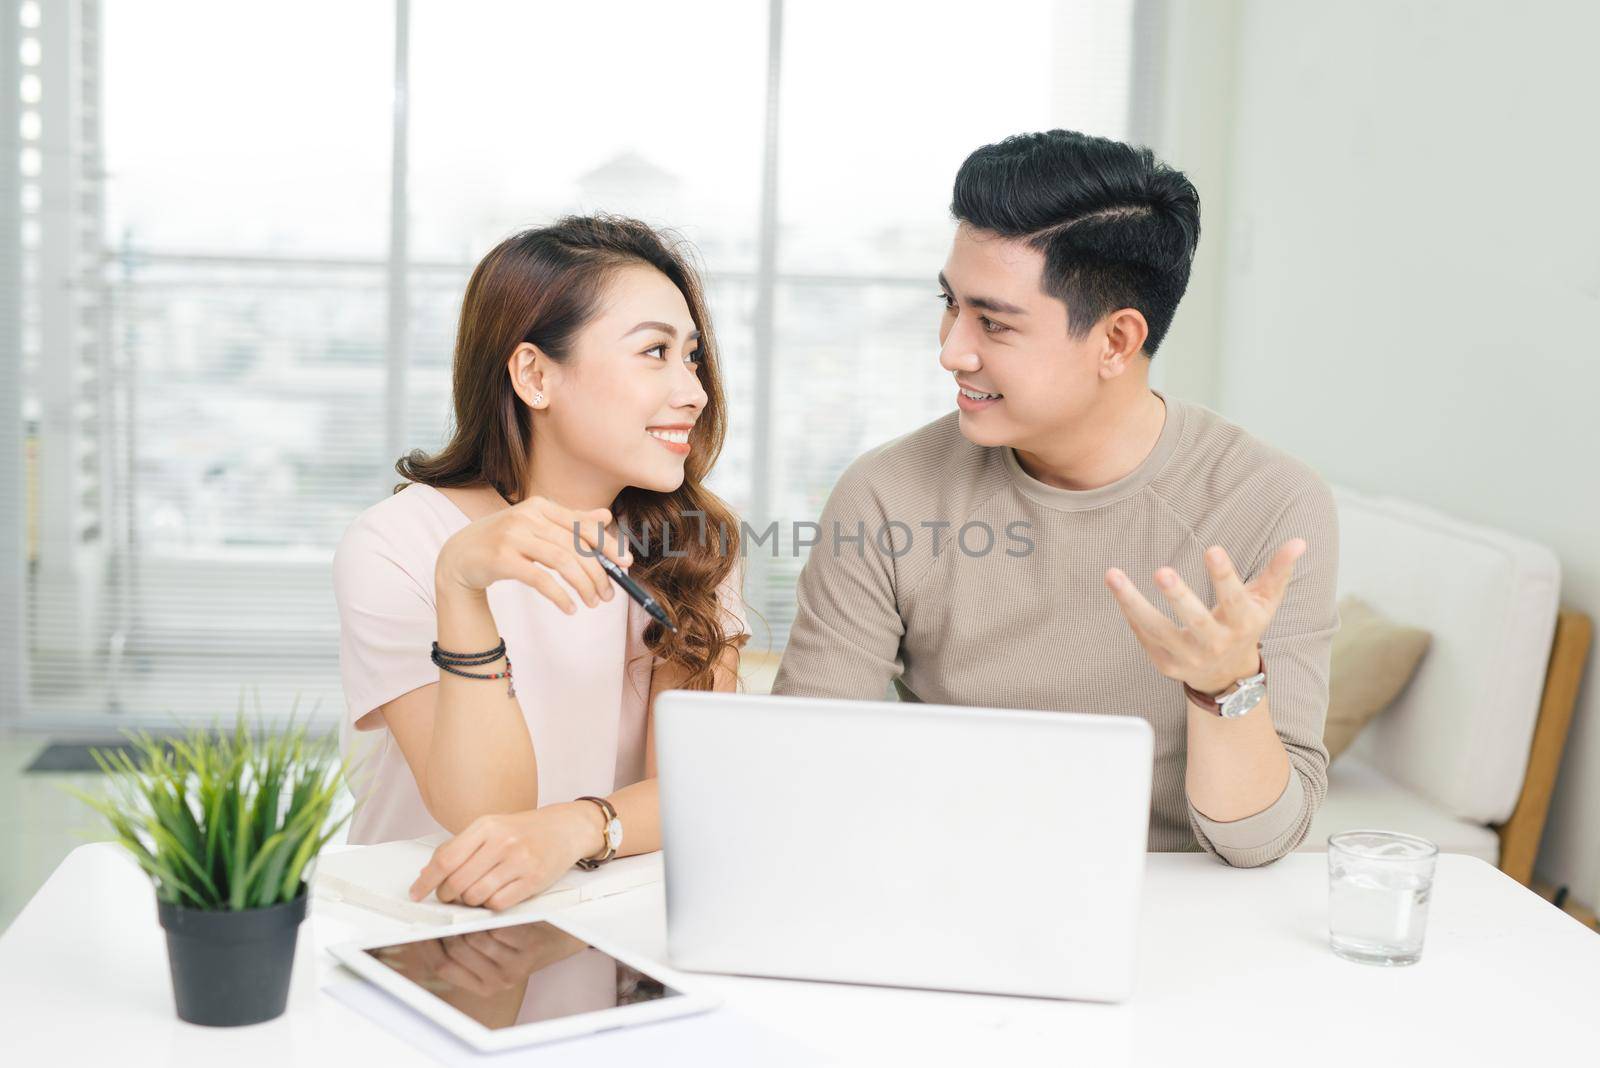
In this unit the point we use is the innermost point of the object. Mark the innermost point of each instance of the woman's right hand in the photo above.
(513, 543)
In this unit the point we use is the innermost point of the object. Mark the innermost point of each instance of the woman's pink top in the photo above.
(583, 681)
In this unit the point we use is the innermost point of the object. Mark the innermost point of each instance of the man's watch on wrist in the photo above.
(613, 832)
(1237, 699)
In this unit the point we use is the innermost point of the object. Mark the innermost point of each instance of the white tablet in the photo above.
(497, 985)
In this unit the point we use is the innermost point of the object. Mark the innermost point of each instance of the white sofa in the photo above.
(1447, 760)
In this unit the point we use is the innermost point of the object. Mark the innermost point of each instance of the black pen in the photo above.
(634, 590)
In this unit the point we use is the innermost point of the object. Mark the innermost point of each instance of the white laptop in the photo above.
(973, 849)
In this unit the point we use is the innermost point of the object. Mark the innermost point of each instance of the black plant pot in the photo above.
(231, 968)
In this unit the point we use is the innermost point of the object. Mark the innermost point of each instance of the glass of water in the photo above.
(1379, 883)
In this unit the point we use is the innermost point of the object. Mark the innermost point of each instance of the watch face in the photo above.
(1243, 701)
(614, 834)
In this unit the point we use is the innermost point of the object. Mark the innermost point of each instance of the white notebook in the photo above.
(379, 877)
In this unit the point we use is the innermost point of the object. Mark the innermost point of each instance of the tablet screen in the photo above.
(520, 974)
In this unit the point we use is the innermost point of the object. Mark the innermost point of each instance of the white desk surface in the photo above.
(1234, 969)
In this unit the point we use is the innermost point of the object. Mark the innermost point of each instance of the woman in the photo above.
(588, 403)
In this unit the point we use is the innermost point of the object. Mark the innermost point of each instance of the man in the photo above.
(1143, 556)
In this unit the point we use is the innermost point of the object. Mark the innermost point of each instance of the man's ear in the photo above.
(1123, 333)
(528, 367)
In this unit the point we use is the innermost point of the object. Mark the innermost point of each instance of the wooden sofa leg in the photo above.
(1520, 835)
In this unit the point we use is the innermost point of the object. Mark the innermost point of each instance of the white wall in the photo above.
(1185, 80)
(1407, 289)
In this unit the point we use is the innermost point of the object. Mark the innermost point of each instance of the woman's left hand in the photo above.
(502, 859)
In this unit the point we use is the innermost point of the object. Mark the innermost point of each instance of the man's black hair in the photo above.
(1117, 227)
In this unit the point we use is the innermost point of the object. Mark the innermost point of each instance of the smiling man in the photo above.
(1071, 539)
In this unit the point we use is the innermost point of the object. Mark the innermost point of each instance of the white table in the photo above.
(1234, 969)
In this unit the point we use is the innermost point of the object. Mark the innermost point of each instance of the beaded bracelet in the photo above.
(447, 661)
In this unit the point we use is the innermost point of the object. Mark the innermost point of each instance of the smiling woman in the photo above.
(578, 342)
(588, 402)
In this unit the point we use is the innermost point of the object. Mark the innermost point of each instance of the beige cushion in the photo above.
(1373, 658)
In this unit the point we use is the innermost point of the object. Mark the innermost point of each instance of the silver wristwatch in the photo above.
(1237, 699)
(1242, 696)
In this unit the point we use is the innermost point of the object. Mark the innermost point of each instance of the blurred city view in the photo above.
(238, 298)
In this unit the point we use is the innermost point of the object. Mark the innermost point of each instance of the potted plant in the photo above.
(225, 825)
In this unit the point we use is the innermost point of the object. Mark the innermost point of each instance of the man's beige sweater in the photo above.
(1021, 617)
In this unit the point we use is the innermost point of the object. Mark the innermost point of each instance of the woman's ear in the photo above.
(527, 368)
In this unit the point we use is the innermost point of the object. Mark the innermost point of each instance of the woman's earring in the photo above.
(538, 398)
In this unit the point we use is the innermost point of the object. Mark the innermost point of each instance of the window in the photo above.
(236, 304)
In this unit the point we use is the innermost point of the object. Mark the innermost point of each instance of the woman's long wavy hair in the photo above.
(543, 286)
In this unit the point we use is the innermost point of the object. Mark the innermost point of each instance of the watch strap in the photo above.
(610, 813)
